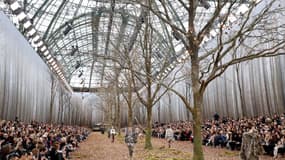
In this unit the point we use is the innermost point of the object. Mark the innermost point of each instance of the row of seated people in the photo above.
(38, 141)
(227, 132)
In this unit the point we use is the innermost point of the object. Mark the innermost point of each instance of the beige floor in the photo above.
(99, 147)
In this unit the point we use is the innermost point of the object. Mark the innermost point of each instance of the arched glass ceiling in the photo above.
(85, 35)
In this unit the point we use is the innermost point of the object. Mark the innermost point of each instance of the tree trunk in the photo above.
(197, 117)
(198, 90)
(130, 115)
(118, 114)
(148, 144)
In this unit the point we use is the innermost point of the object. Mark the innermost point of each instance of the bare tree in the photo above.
(129, 96)
(143, 75)
(238, 32)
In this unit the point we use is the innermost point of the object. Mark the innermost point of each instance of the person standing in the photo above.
(169, 135)
(130, 140)
(113, 133)
(251, 146)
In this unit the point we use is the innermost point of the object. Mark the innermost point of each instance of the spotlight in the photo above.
(67, 29)
(74, 49)
(176, 35)
(82, 81)
(205, 4)
(80, 74)
(142, 19)
(77, 65)
(158, 55)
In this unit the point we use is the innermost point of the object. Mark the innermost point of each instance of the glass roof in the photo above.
(85, 36)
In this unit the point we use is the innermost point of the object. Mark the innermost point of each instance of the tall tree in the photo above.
(238, 30)
(143, 75)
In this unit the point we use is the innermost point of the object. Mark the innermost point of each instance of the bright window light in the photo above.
(14, 6)
(46, 53)
(43, 48)
(32, 31)
(40, 43)
(54, 66)
(21, 16)
(51, 60)
(48, 57)
(36, 38)
(27, 24)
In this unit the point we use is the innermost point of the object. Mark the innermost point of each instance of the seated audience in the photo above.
(38, 141)
(227, 132)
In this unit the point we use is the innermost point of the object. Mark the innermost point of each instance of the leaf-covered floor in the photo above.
(99, 147)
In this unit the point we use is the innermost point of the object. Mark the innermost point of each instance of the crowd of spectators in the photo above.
(227, 132)
(38, 141)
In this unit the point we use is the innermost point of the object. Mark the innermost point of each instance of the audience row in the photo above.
(38, 141)
(227, 132)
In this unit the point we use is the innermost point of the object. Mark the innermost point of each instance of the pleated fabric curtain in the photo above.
(25, 83)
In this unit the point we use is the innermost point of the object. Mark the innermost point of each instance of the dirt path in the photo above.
(99, 147)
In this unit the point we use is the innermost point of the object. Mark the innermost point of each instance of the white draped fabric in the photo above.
(25, 83)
